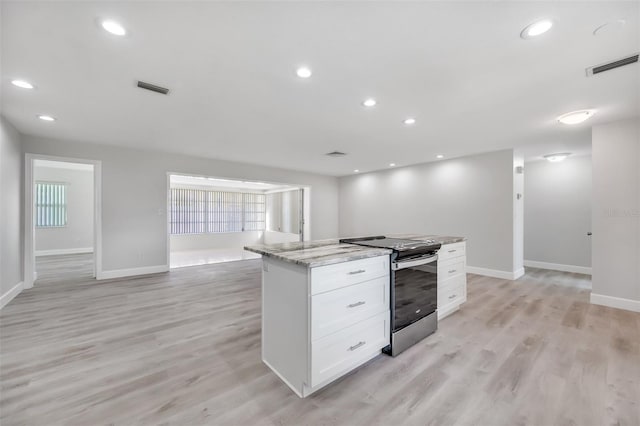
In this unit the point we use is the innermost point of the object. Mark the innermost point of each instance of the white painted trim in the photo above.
(558, 267)
(615, 302)
(494, 273)
(11, 293)
(56, 252)
(29, 225)
(131, 272)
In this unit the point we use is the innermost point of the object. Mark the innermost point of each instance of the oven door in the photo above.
(415, 290)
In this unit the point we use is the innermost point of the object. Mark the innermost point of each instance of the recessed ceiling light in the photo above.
(392, 164)
(576, 117)
(536, 29)
(46, 118)
(610, 27)
(409, 121)
(555, 158)
(369, 102)
(113, 27)
(303, 72)
(356, 171)
(439, 156)
(22, 84)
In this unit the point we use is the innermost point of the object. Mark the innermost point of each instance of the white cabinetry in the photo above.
(452, 278)
(320, 323)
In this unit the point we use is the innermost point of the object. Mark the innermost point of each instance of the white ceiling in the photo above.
(459, 67)
(227, 184)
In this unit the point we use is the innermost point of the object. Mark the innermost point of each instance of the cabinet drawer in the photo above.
(334, 310)
(331, 277)
(342, 351)
(453, 290)
(450, 268)
(449, 251)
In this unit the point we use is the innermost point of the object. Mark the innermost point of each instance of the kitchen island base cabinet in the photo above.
(320, 323)
(452, 278)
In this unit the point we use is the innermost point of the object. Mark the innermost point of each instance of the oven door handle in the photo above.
(411, 263)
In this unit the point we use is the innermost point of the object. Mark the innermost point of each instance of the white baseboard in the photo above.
(57, 252)
(495, 273)
(615, 302)
(9, 295)
(131, 272)
(558, 267)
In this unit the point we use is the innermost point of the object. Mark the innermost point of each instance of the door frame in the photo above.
(29, 218)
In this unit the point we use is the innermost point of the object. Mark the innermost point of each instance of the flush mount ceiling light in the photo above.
(537, 28)
(356, 171)
(576, 117)
(303, 72)
(370, 102)
(113, 27)
(439, 156)
(555, 158)
(46, 117)
(610, 27)
(409, 121)
(392, 164)
(22, 84)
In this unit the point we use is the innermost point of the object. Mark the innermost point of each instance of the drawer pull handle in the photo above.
(453, 296)
(452, 271)
(452, 251)
(354, 347)
(359, 271)
(353, 305)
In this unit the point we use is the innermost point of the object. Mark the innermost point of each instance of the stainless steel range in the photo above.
(414, 288)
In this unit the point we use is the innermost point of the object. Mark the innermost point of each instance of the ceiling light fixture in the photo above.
(22, 84)
(303, 72)
(555, 158)
(46, 118)
(369, 102)
(409, 121)
(537, 28)
(356, 171)
(576, 117)
(113, 27)
(439, 156)
(392, 164)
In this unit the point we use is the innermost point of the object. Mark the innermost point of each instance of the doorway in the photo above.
(211, 220)
(61, 226)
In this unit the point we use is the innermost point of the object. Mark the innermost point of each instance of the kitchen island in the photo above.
(326, 305)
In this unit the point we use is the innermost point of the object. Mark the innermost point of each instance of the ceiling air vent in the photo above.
(611, 65)
(336, 154)
(153, 87)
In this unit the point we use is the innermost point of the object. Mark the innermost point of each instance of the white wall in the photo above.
(468, 196)
(227, 240)
(616, 214)
(275, 237)
(134, 196)
(11, 212)
(557, 206)
(77, 236)
(518, 215)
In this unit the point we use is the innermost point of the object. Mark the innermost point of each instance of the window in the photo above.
(51, 204)
(197, 211)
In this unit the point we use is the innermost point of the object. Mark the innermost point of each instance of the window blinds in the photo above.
(51, 205)
(196, 211)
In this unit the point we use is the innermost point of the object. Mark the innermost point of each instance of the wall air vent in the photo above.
(611, 65)
(336, 154)
(153, 87)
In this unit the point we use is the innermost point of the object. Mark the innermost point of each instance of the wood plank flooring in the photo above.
(183, 348)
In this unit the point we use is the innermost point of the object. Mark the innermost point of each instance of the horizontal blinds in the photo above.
(51, 204)
(195, 211)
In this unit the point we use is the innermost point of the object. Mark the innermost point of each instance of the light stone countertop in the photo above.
(327, 252)
(317, 253)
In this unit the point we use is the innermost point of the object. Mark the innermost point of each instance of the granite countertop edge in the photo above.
(328, 252)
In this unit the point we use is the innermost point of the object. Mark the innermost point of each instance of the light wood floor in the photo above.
(184, 348)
